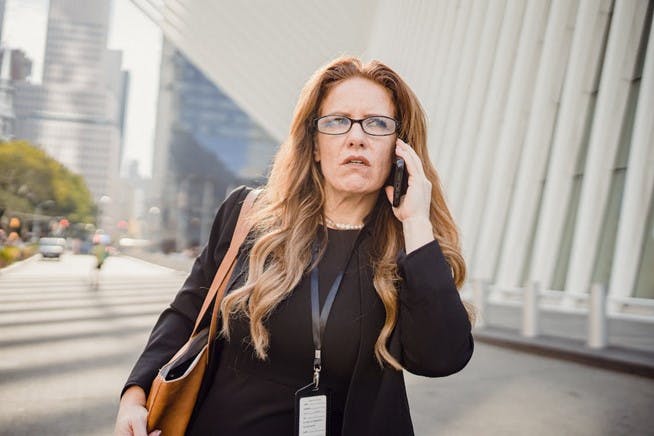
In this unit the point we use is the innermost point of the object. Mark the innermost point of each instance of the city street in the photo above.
(66, 349)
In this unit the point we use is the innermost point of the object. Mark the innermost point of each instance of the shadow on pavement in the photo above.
(96, 418)
(113, 333)
(15, 375)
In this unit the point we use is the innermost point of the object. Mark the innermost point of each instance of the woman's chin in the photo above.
(359, 189)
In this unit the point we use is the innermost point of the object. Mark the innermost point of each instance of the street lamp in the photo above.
(37, 211)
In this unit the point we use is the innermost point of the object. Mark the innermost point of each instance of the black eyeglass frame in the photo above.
(360, 122)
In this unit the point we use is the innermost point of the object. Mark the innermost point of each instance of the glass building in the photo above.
(204, 147)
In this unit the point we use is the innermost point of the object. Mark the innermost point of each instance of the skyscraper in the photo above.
(2, 15)
(6, 91)
(6, 96)
(76, 114)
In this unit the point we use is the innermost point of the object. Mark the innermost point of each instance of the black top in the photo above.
(432, 335)
(254, 397)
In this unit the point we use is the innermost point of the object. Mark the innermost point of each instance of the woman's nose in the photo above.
(356, 136)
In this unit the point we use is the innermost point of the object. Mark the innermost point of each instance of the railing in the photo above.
(598, 307)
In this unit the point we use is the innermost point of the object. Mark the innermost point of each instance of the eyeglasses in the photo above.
(340, 124)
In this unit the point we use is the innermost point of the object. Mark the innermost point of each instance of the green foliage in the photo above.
(10, 254)
(28, 176)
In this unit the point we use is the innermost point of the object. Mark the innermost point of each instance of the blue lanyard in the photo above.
(319, 317)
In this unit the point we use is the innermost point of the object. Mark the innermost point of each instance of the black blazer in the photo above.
(432, 337)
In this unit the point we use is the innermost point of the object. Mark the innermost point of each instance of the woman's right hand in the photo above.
(132, 415)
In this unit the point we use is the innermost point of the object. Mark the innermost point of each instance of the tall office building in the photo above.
(204, 145)
(2, 15)
(6, 90)
(7, 116)
(14, 66)
(76, 114)
(19, 66)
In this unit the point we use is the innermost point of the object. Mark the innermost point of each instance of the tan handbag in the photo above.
(175, 389)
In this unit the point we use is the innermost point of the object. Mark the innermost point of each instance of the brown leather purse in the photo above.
(175, 389)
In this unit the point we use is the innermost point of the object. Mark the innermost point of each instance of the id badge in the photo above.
(311, 411)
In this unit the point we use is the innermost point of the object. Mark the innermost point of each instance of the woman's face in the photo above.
(355, 162)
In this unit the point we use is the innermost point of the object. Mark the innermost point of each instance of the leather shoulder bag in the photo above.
(175, 389)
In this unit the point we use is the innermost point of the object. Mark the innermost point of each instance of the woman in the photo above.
(325, 211)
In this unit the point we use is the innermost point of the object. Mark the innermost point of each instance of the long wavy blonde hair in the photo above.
(289, 211)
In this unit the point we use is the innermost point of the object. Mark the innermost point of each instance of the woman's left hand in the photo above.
(415, 204)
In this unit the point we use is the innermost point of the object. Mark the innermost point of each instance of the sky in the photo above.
(131, 32)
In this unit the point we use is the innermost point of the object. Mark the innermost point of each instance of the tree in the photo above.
(28, 177)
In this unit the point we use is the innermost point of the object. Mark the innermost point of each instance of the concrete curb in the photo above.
(177, 264)
(626, 360)
(20, 263)
(152, 263)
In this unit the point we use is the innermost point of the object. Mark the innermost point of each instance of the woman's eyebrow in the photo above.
(349, 114)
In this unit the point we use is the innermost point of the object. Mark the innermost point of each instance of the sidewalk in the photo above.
(176, 261)
(563, 335)
(34, 257)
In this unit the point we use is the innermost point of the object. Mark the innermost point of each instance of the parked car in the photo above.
(52, 247)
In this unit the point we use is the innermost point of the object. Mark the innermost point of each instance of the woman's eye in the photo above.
(377, 122)
(336, 122)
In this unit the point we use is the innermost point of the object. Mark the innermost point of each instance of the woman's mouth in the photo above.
(356, 161)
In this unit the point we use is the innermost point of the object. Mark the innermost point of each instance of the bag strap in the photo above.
(226, 268)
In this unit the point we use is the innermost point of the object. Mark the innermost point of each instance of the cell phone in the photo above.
(398, 179)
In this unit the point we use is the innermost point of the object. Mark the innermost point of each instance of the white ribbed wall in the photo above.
(527, 102)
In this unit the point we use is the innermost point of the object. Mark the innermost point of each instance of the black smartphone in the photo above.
(398, 179)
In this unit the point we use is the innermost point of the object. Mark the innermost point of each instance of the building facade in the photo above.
(540, 116)
(2, 15)
(205, 145)
(7, 116)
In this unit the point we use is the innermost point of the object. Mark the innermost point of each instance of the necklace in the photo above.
(341, 226)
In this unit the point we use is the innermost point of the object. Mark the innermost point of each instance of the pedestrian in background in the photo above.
(335, 288)
(99, 250)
